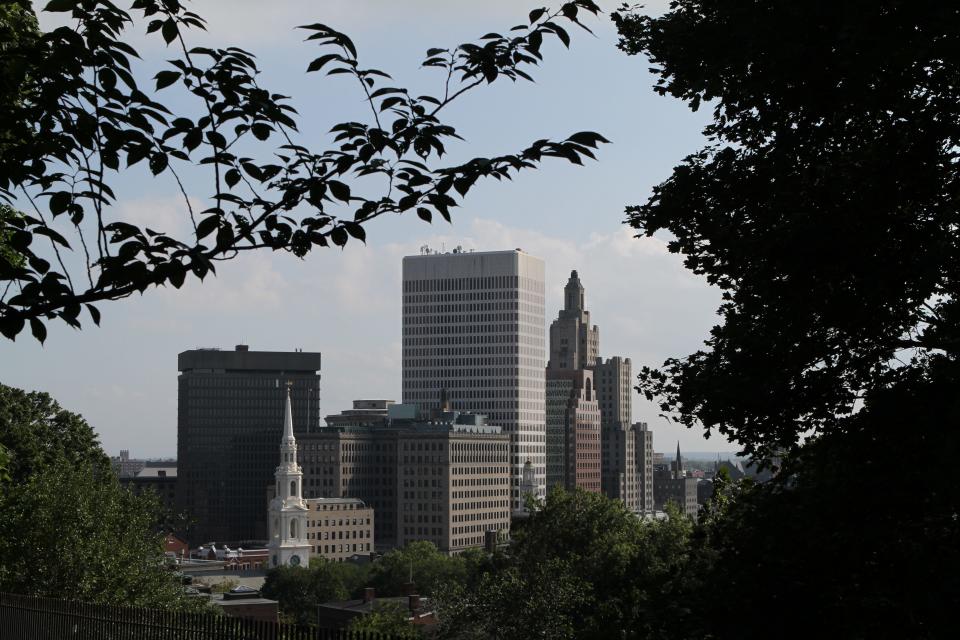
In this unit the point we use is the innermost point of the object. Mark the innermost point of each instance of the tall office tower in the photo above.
(574, 344)
(473, 324)
(573, 430)
(643, 447)
(613, 379)
(229, 420)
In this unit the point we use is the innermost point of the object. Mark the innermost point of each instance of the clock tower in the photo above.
(288, 512)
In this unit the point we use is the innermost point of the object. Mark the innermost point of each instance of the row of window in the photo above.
(342, 548)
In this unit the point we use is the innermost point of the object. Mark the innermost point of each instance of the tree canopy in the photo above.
(582, 566)
(824, 204)
(80, 119)
(824, 207)
(36, 432)
(67, 527)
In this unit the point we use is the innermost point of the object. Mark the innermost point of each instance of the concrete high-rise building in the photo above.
(573, 430)
(473, 324)
(643, 453)
(230, 407)
(614, 385)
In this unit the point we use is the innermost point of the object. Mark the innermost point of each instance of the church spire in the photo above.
(678, 468)
(288, 421)
(288, 511)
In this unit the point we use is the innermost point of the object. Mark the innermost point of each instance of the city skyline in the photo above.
(336, 392)
(346, 304)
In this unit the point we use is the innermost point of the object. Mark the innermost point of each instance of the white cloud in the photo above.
(168, 214)
(250, 284)
(647, 305)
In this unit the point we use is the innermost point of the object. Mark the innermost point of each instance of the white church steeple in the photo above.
(288, 512)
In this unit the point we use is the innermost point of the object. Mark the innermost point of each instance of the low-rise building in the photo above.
(340, 528)
(339, 614)
(246, 602)
(365, 413)
(671, 484)
(159, 477)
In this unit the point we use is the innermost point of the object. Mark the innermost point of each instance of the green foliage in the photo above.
(70, 530)
(299, 590)
(581, 567)
(860, 543)
(429, 567)
(8, 255)
(4, 464)
(66, 525)
(37, 432)
(824, 204)
(389, 619)
(81, 119)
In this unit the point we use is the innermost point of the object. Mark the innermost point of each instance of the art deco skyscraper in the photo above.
(575, 346)
(473, 324)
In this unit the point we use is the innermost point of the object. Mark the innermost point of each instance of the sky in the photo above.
(122, 376)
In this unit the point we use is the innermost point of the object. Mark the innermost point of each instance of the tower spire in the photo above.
(288, 512)
(573, 293)
(288, 437)
(679, 463)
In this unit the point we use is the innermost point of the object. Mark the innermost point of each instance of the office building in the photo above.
(444, 478)
(614, 386)
(340, 528)
(643, 455)
(573, 430)
(230, 410)
(473, 324)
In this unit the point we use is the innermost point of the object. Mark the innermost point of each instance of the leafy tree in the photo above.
(66, 525)
(582, 566)
(37, 432)
(71, 530)
(423, 561)
(89, 120)
(300, 590)
(824, 204)
(859, 544)
(388, 619)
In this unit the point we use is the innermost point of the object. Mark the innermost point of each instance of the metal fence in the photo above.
(32, 618)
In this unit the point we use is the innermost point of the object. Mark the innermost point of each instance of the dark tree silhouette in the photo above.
(80, 120)
(824, 205)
